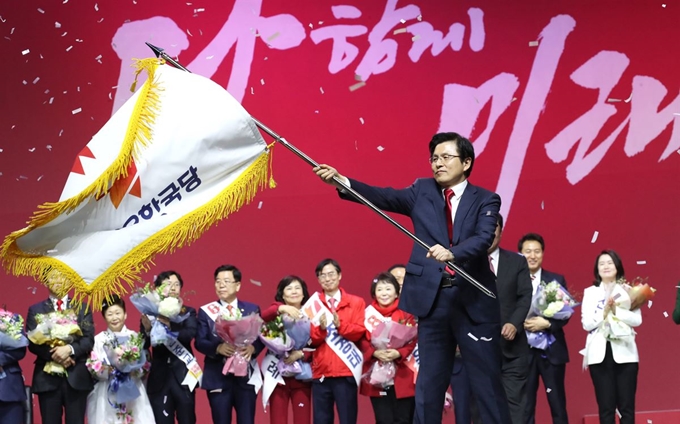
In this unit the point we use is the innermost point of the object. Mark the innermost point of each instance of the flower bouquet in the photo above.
(639, 292)
(158, 302)
(239, 331)
(299, 331)
(57, 328)
(11, 331)
(275, 338)
(551, 300)
(388, 335)
(126, 356)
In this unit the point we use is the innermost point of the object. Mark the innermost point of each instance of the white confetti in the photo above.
(40, 178)
(25, 52)
(32, 149)
(49, 147)
(361, 120)
(472, 337)
(190, 34)
(69, 48)
(486, 339)
(25, 82)
(259, 205)
(110, 98)
(301, 405)
(321, 90)
(61, 132)
(629, 98)
(663, 5)
(612, 100)
(57, 25)
(415, 38)
(399, 31)
(403, 21)
(64, 34)
(533, 43)
(323, 377)
(665, 314)
(273, 36)
(78, 40)
(255, 282)
(262, 81)
(548, 390)
(96, 7)
(100, 21)
(542, 205)
(642, 262)
(381, 148)
(35, 81)
(618, 413)
(420, 17)
(40, 10)
(74, 111)
(594, 239)
(210, 57)
(649, 305)
(200, 9)
(356, 86)
(165, 413)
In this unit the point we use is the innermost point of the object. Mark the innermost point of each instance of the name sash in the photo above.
(213, 310)
(346, 350)
(272, 377)
(194, 373)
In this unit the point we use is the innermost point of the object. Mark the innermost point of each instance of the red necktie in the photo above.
(448, 194)
(60, 305)
(230, 309)
(491, 264)
(331, 302)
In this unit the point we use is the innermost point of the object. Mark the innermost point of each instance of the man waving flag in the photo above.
(178, 156)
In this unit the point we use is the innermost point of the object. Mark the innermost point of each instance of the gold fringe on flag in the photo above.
(125, 272)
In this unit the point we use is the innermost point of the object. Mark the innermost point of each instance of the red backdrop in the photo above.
(573, 109)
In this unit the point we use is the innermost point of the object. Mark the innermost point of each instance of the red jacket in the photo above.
(403, 380)
(351, 313)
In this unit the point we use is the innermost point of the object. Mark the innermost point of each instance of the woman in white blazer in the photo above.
(611, 353)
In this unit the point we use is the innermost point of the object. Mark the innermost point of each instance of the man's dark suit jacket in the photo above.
(514, 294)
(78, 377)
(163, 362)
(474, 229)
(207, 342)
(557, 353)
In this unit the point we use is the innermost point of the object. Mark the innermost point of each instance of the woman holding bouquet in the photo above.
(611, 353)
(394, 400)
(102, 407)
(291, 294)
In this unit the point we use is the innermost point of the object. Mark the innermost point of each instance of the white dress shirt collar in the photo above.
(494, 257)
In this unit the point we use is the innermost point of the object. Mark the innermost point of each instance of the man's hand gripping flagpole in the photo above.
(159, 52)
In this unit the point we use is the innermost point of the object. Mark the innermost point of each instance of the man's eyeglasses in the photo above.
(445, 158)
(225, 282)
(327, 275)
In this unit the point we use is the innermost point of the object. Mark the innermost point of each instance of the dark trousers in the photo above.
(294, 392)
(615, 386)
(238, 395)
(338, 391)
(390, 410)
(514, 382)
(173, 400)
(553, 380)
(64, 400)
(515, 373)
(446, 326)
(11, 412)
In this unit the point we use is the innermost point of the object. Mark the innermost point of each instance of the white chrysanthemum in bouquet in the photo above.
(170, 307)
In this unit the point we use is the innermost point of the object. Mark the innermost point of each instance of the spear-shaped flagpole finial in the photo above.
(161, 53)
(156, 50)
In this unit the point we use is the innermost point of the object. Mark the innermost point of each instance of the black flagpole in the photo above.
(161, 53)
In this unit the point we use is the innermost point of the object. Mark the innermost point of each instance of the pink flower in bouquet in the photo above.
(639, 292)
(240, 333)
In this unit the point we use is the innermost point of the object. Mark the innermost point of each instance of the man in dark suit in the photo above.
(12, 393)
(62, 394)
(167, 395)
(549, 364)
(514, 294)
(226, 392)
(458, 220)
